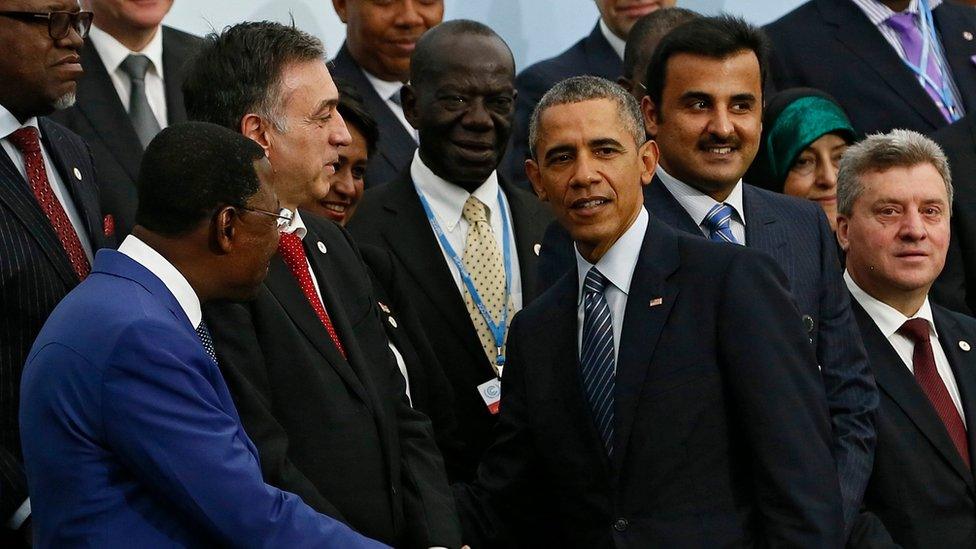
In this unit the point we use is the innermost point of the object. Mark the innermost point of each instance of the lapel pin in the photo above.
(808, 323)
(392, 320)
(964, 345)
(967, 36)
(383, 307)
(537, 248)
(656, 301)
(77, 173)
(322, 247)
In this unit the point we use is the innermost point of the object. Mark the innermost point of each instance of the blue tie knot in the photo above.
(718, 222)
(595, 282)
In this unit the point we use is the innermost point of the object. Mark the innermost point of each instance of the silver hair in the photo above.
(587, 88)
(882, 151)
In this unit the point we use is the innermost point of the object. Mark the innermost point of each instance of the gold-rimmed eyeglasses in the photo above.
(59, 23)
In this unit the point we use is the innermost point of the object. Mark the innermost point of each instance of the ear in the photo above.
(256, 128)
(843, 232)
(535, 177)
(649, 154)
(224, 229)
(340, 9)
(408, 100)
(650, 112)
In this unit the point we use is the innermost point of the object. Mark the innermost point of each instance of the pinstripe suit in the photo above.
(796, 234)
(34, 275)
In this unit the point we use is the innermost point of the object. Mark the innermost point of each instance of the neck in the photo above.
(179, 251)
(718, 191)
(897, 5)
(905, 302)
(134, 39)
(594, 252)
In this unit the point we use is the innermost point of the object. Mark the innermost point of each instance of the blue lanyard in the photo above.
(929, 37)
(497, 330)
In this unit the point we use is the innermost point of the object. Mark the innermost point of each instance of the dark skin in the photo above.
(462, 101)
(897, 5)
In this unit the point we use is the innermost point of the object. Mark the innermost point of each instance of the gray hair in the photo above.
(587, 88)
(882, 151)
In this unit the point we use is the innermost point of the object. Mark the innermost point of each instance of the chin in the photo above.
(65, 101)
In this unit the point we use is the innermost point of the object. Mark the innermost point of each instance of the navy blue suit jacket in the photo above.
(796, 234)
(592, 55)
(721, 436)
(832, 45)
(131, 438)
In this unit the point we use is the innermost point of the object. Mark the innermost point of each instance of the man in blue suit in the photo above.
(130, 436)
(601, 53)
(646, 402)
(704, 105)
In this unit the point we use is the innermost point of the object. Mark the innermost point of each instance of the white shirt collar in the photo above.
(447, 199)
(878, 13)
(296, 226)
(9, 123)
(615, 41)
(887, 318)
(619, 262)
(170, 276)
(384, 88)
(697, 203)
(113, 52)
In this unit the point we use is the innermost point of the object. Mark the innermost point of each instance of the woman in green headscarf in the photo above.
(805, 132)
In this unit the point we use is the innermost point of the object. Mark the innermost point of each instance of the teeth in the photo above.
(721, 150)
(335, 208)
(592, 203)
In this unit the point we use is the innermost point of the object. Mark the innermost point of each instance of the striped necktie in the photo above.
(597, 363)
(718, 222)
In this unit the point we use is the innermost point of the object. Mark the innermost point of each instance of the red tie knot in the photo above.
(916, 329)
(26, 139)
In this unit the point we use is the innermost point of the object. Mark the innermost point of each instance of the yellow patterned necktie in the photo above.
(483, 260)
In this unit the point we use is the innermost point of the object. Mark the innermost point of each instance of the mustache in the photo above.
(716, 141)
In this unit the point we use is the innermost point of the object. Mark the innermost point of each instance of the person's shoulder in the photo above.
(962, 321)
(548, 71)
(171, 34)
(796, 20)
(60, 135)
(956, 11)
(789, 205)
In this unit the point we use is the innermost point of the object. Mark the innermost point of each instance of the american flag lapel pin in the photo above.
(656, 301)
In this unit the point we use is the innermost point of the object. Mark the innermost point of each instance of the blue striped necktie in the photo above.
(718, 222)
(597, 354)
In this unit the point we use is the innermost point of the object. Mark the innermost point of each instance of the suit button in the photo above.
(620, 524)
(393, 489)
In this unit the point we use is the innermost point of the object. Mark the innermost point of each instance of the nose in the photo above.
(72, 40)
(585, 173)
(826, 175)
(343, 184)
(340, 135)
(912, 226)
(720, 125)
(409, 15)
(477, 116)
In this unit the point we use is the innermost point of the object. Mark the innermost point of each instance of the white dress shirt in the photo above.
(386, 90)
(297, 226)
(171, 277)
(889, 320)
(615, 41)
(113, 53)
(447, 202)
(8, 125)
(618, 265)
(698, 204)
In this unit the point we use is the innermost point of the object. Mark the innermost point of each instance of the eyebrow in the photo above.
(559, 149)
(326, 104)
(604, 142)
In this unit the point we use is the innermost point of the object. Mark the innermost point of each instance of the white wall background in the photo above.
(534, 29)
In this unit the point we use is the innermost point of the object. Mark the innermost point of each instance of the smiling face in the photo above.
(814, 174)
(463, 109)
(37, 74)
(381, 34)
(122, 16)
(305, 153)
(709, 121)
(897, 234)
(591, 172)
(620, 15)
(346, 185)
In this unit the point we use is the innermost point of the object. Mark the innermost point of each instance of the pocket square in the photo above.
(108, 225)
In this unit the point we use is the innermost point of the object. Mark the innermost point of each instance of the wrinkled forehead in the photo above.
(44, 5)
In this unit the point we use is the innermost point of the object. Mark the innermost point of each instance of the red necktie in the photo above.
(928, 378)
(291, 251)
(27, 140)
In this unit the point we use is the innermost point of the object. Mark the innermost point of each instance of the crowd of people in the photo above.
(690, 283)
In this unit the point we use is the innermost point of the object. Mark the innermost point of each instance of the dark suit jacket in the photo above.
(956, 286)
(721, 437)
(592, 55)
(99, 117)
(832, 45)
(337, 432)
(395, 148)
(921, 493)
(34, 275)
(796, 234)
(430, 390)
(392, 217)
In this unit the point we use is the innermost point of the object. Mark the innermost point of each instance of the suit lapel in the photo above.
(175, 56)
(959, 52)
(525, 241)
(865, 42)
(601, 58)
(642, 327)
(662, 205)
(963, 363)
(898, 383)
(763, 232)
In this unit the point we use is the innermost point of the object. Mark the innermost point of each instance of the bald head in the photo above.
(437, 49)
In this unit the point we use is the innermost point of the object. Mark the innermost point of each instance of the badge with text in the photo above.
(491, 393)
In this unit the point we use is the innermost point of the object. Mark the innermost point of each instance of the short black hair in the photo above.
(425, 56)
(647, 33)
(239, 71)
(353, 110)
(189, 170)
(714, 37)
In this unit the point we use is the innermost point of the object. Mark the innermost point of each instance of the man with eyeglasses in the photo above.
(134, 68)
(50, 222)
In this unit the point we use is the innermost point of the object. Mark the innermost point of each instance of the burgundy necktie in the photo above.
(27, 140)
(928, 378)
(291, 251)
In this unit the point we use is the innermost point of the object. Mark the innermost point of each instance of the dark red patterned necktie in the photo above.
(27, 140)
(291, 251)
(928, 378)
